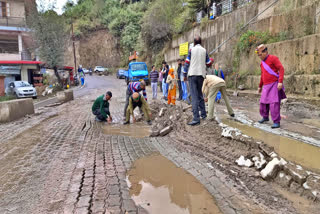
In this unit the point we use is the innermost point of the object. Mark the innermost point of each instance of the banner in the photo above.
(183, 49)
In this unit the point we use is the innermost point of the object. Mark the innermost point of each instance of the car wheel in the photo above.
(35, 97)
(16, 96)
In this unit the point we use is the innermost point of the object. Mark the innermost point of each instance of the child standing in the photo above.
(172, 82)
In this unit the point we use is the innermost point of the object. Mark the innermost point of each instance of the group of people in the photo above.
(199, 84)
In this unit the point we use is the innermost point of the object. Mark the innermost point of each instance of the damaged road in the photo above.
(62, 161)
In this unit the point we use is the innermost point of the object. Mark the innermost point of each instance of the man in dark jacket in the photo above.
(165, 72)
(179, 79)
(100, 108)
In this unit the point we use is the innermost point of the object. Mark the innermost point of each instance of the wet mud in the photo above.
(158, 186)
(290, 149)
(136, 130)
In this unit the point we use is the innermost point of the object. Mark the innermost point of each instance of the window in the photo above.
(136, 67)
(4, 9)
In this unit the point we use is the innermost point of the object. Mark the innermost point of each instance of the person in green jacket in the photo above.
(100, 108)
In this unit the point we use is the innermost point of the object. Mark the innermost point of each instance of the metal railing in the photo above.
(243, 27)
(13, 21)
(227, 6)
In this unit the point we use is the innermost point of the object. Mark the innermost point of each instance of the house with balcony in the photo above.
(17, 61)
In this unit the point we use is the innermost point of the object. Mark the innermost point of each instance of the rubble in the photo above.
(259, 162)
(298, 175)
(165, 131)
(244, 162)
(272, 168)
(161, 113)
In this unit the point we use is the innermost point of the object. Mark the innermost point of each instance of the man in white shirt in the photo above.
(196, 64)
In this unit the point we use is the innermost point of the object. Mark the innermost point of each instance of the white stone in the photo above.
(270, 170)
(244, 162)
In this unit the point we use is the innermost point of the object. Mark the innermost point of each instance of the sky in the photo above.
(57, 4)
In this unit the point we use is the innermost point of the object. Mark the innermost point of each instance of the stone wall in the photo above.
(296, 21)
(97, 48)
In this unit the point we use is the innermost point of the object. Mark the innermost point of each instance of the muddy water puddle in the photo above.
(157, 185)
(137, 130)
(293, 150)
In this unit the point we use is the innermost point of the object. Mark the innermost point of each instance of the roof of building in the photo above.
(21, 62)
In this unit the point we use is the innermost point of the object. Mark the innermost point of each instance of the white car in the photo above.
(100, 69)
(21, 89)
(86, 71)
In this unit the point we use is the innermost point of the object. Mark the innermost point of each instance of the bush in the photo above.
(6, 98)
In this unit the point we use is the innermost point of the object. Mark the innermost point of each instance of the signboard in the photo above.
(183, 49)
(10, 70)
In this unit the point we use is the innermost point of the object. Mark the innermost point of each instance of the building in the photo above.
(17, 62)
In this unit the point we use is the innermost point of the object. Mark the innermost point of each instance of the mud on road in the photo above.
(61, 161)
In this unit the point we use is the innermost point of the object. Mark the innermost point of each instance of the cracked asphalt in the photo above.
(59, 161)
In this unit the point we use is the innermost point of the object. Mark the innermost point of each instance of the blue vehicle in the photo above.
(137, 71)
(121, 74)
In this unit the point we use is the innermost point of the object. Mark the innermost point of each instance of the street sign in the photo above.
(183, 49)
(10, 70)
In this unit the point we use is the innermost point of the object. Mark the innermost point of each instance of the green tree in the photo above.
(50, 35)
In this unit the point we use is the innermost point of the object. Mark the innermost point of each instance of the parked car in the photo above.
(21, 89)
(121, 74)
(100, 69)
(86, 71)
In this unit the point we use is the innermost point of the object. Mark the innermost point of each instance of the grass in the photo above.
(6, 98)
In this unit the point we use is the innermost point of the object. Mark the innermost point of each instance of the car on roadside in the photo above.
(21, 89)
(121, 74)
(86, 71)
(100, 69)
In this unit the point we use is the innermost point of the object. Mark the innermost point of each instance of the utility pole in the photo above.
(74, 50)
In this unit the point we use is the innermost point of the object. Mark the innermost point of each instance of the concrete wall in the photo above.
(24, 71)
(15, 109)
(6, 56)
(17, 9)
(296, 21)
(2, 87)
(308, 85)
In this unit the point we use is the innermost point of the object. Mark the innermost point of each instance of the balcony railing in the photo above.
(13, 21)
(227, 6)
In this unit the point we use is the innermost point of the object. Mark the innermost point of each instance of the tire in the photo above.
(127, 81)
(35, 97)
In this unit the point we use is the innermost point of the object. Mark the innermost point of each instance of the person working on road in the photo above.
(211, 85)
(172, 86)
(100, 108)
(132, 88)
(135, 100)
(271, 86)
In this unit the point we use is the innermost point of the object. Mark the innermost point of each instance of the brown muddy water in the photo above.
(292, 150)
(157, 185)
(137, 130)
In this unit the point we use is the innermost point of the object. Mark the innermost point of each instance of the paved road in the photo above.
(59, 161)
